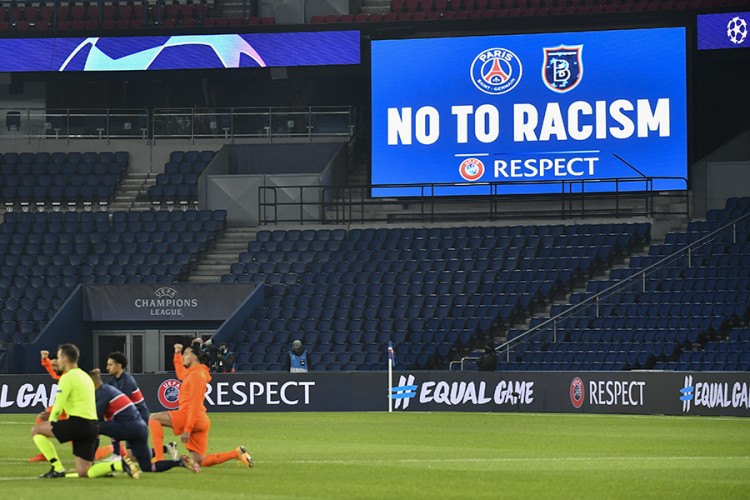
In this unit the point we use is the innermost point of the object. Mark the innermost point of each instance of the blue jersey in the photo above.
(128, 386)
(112, 404)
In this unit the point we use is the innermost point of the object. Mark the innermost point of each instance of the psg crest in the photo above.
(496, 71)
(562, 69)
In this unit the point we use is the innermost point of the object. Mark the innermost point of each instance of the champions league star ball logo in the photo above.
(737, 30)
(122, 54)
(471, 169)
(562, 69)
(496, 71)
(169, 394)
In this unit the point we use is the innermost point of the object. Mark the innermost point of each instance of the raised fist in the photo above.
(178, 348)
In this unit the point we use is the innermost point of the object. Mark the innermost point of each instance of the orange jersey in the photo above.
(47, 364)
(192, 393)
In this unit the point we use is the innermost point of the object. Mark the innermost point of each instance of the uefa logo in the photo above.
(168, 394)
(471, 169)
(496, 71)
(577, 392)
(166, 292)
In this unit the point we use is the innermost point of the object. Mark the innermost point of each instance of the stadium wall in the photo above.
(668, 393)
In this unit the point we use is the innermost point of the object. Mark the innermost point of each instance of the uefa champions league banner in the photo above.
(205, 51)
(723, 31)
(537, 107)
(668, 393)
(174, 302)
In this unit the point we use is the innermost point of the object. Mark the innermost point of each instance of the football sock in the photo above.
(48, 450)
(117, 445)
(163, 448)
(104, 468)
(103, 451)
(163, 465)
(219, 458)
(157, 438)
(72, 475)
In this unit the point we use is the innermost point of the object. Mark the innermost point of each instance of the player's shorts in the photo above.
(82, 432)
(198, 441)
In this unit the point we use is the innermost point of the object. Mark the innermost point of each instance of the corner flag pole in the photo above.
(390, 376)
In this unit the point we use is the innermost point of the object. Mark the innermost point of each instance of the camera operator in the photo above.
(221, 357)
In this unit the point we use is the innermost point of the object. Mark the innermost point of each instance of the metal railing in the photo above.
(488, 201)
(193, 123)
(592, 305)
(269, 123)
(75, 124)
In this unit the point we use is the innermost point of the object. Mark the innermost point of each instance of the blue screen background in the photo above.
(630, 64)
(179, 51)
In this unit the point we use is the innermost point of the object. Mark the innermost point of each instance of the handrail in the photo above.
(494, 200)
(595, 299)
(192, 123)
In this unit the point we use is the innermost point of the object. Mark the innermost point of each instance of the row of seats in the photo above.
(59, 177)
(73, 157)
(695, 317)
(93, 24)
(593, 6)
(92, 11)
(45, 255)
(426, 10)
(430, 291)
(179, 182)
(90, 16)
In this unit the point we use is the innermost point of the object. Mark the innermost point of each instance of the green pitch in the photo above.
(426, 455)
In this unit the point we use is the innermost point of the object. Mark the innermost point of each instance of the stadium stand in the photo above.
(60, 178)
(426, 10)
(85, 16)
(429, 290)
(692, 315)
(179, 182)
(45, 255)
(115, 15)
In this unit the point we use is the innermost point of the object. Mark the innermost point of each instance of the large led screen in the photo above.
(139, 53)
(723, 31)
(521, 108)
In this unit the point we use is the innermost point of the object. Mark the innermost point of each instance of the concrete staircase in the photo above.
(233, 8)
(226, 252)
(375, 7)
(132, 192)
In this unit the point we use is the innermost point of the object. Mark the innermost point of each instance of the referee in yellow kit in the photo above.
(76, 397)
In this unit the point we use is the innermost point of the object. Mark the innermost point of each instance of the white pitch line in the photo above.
(499, 459)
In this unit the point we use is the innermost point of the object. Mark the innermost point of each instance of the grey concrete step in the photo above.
(375, 10)
(203, 279)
